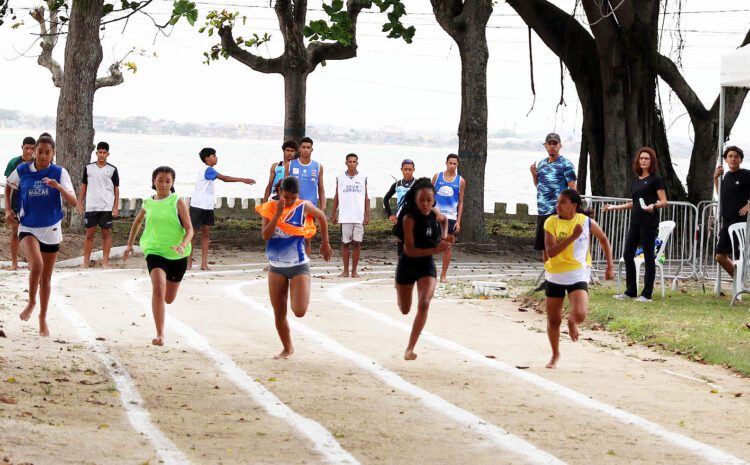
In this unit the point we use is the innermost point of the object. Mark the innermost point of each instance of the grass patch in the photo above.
(700, 326)
(690, 323)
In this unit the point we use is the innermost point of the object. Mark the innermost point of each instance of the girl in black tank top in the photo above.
(422, 233)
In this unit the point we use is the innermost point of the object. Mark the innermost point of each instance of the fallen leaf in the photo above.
(91, 400)
(8, 400)
(737, 394)
(2, 333)
(103, 426)
(522, 367)
(62, 380)
(91, 383)
(522, 309)
(490, 356)
(714, 391)
(100, 339)
(10, 380)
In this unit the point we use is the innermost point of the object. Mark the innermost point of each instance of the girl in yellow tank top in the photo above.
(567, 238)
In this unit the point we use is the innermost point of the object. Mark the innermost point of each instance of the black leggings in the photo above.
(645, 236)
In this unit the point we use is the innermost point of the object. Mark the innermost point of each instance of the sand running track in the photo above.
(97, 392)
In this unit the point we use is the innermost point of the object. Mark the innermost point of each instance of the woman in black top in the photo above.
(422, 231)
(735, 193)
(647, 195)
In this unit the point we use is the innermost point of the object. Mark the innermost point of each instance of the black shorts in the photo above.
(451, 227)
(44, 248)
(539, 238)
(14, 197)
(559, 290)
(101, 219)
(724, 245)
(410, 269)
(200, 217)
(175, 269)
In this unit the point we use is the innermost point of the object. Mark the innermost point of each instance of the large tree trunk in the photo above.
(295, 105)
(466, 23)
(75, 107)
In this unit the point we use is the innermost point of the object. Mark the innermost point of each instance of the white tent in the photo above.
(735, 72)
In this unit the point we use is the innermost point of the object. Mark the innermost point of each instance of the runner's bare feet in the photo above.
(553, 361)
(355, 274)
(14, 267)
(344, 274)
(26, 313)
(43, 329)
(283, 355)
(443, 278)
(572, 330)
(410, 355)
(205, 268)
(158, 341)
(190, 264)
(105, 265)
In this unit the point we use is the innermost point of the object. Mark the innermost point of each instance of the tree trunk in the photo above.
(472, 131)
(75, 107)
(295, 104)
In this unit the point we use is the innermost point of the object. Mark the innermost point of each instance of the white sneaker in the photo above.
(643, 299)
(622, 296)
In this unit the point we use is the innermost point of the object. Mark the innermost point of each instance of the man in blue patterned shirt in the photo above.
(551, 176)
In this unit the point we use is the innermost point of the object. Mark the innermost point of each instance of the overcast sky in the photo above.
(390, 83)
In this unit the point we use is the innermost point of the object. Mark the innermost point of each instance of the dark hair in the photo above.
(653, 168)
(289, 144)
(305, 139)
(410, 206)
(159, 170)
(205, 153)
(352, 155)
(575, 198)
(45, 134)
(28, 140)
(289, 184)
(733, 148)
(452, 155)
(102, 146)
(45, 139)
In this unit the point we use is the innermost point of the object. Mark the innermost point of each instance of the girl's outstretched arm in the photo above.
(137, 222)
(315, 212)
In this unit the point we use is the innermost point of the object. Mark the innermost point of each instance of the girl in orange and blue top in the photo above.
(286, 224)
(567, 238)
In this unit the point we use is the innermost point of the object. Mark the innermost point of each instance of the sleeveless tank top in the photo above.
(163, 228)
(447, 194)
(286, 247)
(308, 179)
(573, 264)
(40, 205)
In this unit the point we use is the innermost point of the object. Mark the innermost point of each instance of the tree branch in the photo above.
(300, 12)
(564, 36)
(115, 77)
(260, 64)
(321, 51)
(668, 72)
(449, 15)
(48, 42)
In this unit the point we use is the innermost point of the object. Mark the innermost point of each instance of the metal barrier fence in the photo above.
(680, 251)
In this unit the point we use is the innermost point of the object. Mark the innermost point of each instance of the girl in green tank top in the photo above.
(166, 243)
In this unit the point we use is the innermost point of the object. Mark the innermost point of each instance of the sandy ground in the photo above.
(97, 392)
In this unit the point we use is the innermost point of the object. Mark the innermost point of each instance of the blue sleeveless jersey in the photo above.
(40, 205)
(308, 179)
(278, 175)
(447, 196)
(284, 249)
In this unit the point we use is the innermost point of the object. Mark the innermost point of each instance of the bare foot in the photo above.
(284, 354)
(190, 265)
(344, 274)
(553, 361)
(43, 329)
(85, 264)
(443, 278)
(158, 341)
(205, 268)
(13, 266)
(105, 265)
(26, 313)
(410, 355)
(355, 274)
(572, 330)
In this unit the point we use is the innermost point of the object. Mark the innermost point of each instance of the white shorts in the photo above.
(352, 232)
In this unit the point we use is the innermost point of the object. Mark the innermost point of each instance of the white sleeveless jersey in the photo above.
(351, 192)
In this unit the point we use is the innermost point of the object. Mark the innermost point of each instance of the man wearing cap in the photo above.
(399, 188)
(27, 154)
(551, 176)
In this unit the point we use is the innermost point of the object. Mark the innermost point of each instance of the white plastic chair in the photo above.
(665, 231)
(737, 234)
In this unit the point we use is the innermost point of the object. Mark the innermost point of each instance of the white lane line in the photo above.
(500, 437)
(708, 452)
(322, 439)
(130, 398)
(693, 378)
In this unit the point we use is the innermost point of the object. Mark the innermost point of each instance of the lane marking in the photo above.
(322, 439)
(497, 435)
(130, 398)
(708, 452)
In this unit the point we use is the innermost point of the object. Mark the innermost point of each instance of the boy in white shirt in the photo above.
(351, 208)
(100, 192)
(203, 201)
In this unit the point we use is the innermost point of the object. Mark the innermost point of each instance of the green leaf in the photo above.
(107, 9)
